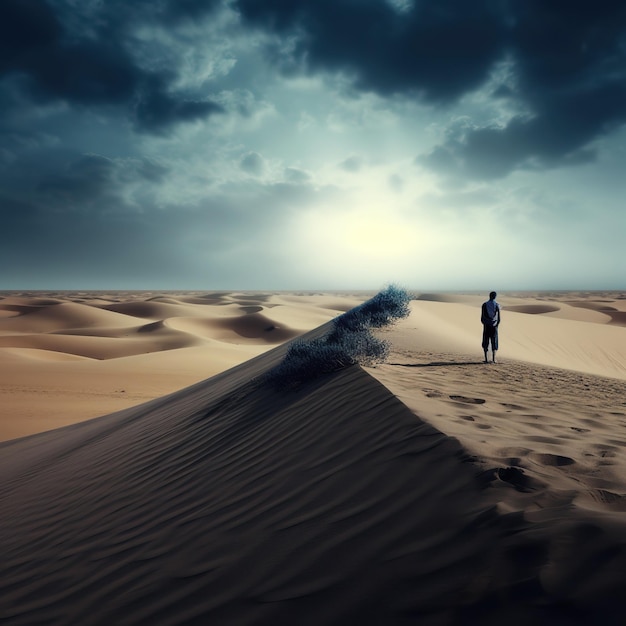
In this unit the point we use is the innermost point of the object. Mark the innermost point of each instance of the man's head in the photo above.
(492, 295)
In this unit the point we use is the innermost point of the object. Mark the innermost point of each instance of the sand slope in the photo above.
(234, 503)
(453, 493)
(542, 409)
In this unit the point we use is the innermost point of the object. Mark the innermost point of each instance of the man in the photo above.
(490, 318)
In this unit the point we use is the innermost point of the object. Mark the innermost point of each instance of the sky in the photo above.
(312, 144)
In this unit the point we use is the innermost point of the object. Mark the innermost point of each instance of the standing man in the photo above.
(490, 318)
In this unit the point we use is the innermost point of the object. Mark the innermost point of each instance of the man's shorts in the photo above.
(490, 334)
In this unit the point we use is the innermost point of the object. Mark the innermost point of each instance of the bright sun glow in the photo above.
(369, 239)
(373, 233)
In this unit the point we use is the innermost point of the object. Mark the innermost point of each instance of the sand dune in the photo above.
(161, 342)
(101, 347)
(614, 309)
(67, 357)
(534, 309)
(28, 301)
(600, 308)
(17, 355)
(584, 346)
(233, 504)
(151, 309)
(64, 315)
(453, 493)
(253, 327)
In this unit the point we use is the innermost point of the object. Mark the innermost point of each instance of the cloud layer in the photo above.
(186, 132)
(566, 67)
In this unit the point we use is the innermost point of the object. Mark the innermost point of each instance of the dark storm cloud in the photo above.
(86, 182)
(78, 199)
(189, 9)
(75, 223)
(63, 181)
(83, 249)
(156, 110)
(71, 210)
(567, 64)
(440, 49)
(82, 233)
(151, 171)
(85, 59)
(570, 73)
(567, 60)
(85, 72)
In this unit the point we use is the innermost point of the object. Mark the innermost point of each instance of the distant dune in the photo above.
(433, 489)
(67, 357)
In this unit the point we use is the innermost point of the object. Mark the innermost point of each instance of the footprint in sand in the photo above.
(432, 393)
(516, 477)
(553, 460)
(466, 400)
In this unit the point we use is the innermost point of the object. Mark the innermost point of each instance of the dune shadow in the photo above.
(438, 364)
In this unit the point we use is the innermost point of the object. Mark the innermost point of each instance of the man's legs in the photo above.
(490, 336)
(486, 341)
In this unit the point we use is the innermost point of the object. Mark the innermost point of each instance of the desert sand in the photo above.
(432, 489)
(66, 357)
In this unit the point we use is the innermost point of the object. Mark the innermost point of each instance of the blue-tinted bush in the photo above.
(350, 341)
(384, 308)
(309, 359)
(361, 345)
